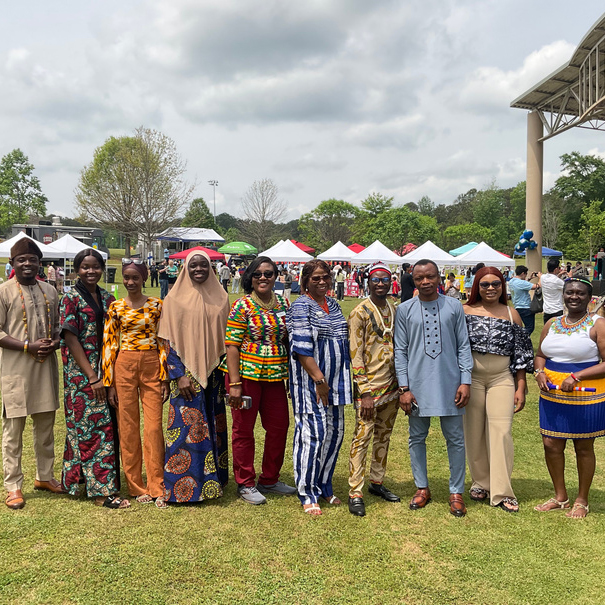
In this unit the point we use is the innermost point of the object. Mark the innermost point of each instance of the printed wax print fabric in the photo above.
(90, 451)
(371, 341)
(260, 335)
(128, 329)
(196, 465)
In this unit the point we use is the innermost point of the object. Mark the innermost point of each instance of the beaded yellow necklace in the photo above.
(48, 319)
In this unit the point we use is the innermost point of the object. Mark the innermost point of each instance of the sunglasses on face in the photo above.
(317, 278)
(266, 274)
(132, 261)
(377, 280)
(484, 285)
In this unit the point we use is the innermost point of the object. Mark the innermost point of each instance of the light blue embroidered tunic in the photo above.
(432, 353)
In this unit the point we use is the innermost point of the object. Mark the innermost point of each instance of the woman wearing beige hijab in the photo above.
(193, 322)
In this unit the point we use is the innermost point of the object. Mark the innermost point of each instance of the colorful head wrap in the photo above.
(580, 279)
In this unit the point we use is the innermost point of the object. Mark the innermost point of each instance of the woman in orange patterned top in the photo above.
(134, 366)
(257, 365)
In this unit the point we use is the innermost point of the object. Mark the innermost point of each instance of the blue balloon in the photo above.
(527, 234)
(533, 245)
(523, 243)
(518, 249)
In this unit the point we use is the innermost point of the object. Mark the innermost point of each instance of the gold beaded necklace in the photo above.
(269, 306)
(48, 319)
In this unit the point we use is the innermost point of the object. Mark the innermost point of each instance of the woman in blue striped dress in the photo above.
(320, 384)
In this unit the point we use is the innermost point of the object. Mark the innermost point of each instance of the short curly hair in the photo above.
(252, 267)
(308, 269)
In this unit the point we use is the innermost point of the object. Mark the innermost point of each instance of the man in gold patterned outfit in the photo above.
(375, 388)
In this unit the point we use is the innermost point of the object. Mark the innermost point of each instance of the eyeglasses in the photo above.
(377, 280)
(266, 274)
(132, 261)
(317, 278)
(484, 285)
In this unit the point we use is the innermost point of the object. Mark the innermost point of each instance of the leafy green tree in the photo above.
(20, 191)
(592, 231)
(198, 215)
(426, 206)
(488, 206)
(134, 185)
(583, 181)
(331, 221)
(233, 235)
(455, 236)
(226, 221)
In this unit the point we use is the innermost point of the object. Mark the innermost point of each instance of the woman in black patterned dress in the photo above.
(502, 354)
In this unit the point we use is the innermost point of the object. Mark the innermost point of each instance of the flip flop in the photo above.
(114, 502)
(576, 507)
(558, 505)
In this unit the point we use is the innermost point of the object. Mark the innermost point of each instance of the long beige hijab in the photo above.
(194, 319)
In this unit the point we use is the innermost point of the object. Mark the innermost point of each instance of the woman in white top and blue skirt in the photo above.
(572, 398)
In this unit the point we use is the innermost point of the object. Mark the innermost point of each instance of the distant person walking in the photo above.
(552, 290)
(225, 275)
(407, 282)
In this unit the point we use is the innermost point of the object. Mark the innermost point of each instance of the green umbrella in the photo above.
(238, 248)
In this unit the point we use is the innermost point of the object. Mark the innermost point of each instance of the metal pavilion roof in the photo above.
(574, 94)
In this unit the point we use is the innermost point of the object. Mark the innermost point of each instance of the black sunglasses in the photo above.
(317, 278)
(377, 280)
(484, 285)
(266, 274)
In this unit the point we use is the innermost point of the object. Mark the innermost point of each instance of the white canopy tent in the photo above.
(5, 246)
(377, 253)
(338, 252)
(482, 253)
(67, 247)
(189, 234)
(286, 252)
(432, 252)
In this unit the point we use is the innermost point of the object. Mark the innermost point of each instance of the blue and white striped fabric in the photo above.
(325, 337)
(317, 441)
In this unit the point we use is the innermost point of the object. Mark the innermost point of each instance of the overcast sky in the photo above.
(327, 98)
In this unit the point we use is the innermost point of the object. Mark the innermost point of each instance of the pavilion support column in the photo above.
(533, 196)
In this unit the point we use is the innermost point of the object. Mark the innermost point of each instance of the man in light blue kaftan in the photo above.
(433, 362)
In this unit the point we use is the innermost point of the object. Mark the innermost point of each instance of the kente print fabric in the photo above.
(501, 337)
(197, 460)
(371, 342)
(129, 329)
(260, 335)
(89, 445)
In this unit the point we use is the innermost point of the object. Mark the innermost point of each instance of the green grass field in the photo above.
(61, 549)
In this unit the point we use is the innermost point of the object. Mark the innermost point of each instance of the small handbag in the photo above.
(537, 302)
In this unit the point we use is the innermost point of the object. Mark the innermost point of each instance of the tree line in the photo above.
(135, 186)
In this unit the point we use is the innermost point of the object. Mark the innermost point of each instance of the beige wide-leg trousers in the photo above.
(12, 448)
(380, 427)
(488, 422)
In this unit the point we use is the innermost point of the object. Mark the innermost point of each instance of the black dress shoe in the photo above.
(377, 489)
(357, 507)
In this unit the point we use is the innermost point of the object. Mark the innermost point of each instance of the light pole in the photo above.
(214, 184)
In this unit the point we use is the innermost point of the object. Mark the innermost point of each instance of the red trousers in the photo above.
(270, 400)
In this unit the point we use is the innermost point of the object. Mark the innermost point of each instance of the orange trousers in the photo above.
(137, 375)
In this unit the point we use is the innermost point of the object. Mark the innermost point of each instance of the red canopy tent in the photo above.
(212, 254)
(303, 247)
(357, 248)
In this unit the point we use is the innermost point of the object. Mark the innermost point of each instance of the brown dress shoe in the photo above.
(457, 506)
(421, 498)
(15, 499)
(50, 486)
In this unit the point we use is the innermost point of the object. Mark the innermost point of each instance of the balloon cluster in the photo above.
(525, 241)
